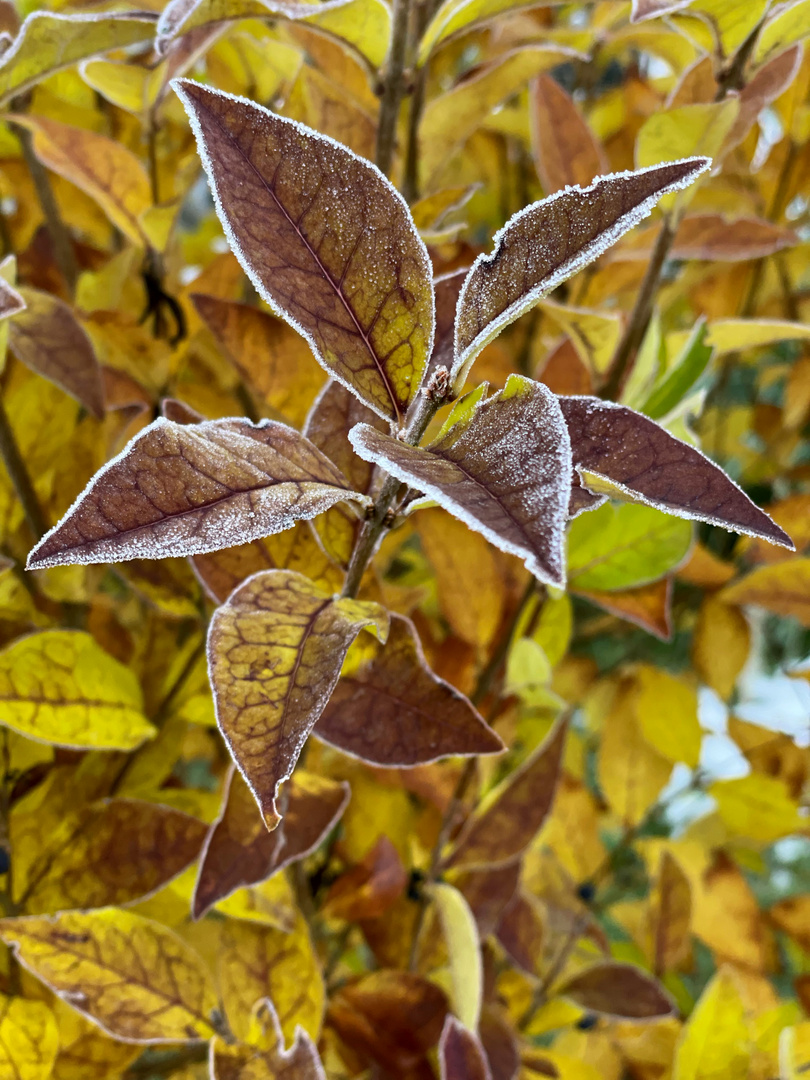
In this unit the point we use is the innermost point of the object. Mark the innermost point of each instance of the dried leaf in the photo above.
(327, 242)
(549, 241)
(134, 977)
(275, 650)
(369, 889)
(240, 851)
(192, 489)
(390, 709)
(521, 931)
(461, 1055)
(565, 150)
(499, 465)
(783, 588)
(29, 1039)
(618, 990)
(792, 916)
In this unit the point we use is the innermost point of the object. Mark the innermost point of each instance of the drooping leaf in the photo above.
(192, 489)
(360, 294)
(370, 888)
(135, 978)
(275, 650)
(461, 1055)
(650, 465)
(29, 1039)
(618, 990)
(507, 821)
(565, 150)
(390, 709)
(48, 338)
(549, 241)
(720, 645)
(108, 853)
(783, 588)
(60, 687)
(265, 1058)
(50, 40)
(500, 467)
(463, 950)
(240, 851)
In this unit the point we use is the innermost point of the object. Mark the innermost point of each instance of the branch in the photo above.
(393, 86)
(15, 466)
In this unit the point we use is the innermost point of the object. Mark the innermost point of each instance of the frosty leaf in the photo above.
(275, 650)
(390, 709)
(565, 150)
(240, 851)
(137, 979)
(327, 242)
(501, 468)
(461, 1055)
(110, 852)
(653, 9)
(652, 466)
(506, 823)
(186, 489)
(48, 41)
(184, 16)
(618, 990)
(11, 302)
(549, 241)
(48, 339)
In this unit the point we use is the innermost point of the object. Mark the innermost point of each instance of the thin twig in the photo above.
(18, 473)
(393, 87)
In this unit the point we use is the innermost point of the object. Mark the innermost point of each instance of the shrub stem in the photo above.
(18, 473)
(392, 87)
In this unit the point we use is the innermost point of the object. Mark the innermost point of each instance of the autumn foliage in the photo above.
(405, 540)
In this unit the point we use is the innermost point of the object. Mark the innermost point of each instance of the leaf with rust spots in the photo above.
(137, 979)
(390, 709)
(49, 340)
(783, 588)
(274, 652)
(11, 302)
(506, 822)
(647, 464)
(332, 416)
(499, 464)
(272, 359)
(369, 889)
(326, 240)
(565, 149)
(240, 851)
(461, 1055)
(260, 961)
(615, 989)
(390, 1017)
(648, 606)
(549, 241)
(180, 489)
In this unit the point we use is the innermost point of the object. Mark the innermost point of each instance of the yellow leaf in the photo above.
(364, 24)
(789, 24)
(666, 708)
(85, 1053)
(455, 16)
(60, 687)
(129, 86)
(272, 902)
(757, 807)
(259, 961)
(720, 645)
(731, 335)
(594, 334)
(730, 22)
(714, 1043)
(464, 951)
(134, 977)
(783, 588)
(726, 915)
(29, 1039)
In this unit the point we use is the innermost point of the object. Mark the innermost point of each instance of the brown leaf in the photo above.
(499, 1042)
(488, 892)
(565, 150)
(711, 237)
(240, 851)
(618, 990)
(549, 241)
(648, 606)
(446, 289)
(111, 852)
(266, 1057)
(652, 9)
(47, 338)
(392, 710)
(767, 84)
(186, 489)
(461, 1055)
(647, 463)
(11, 302)
(180, 413)
(327, 242)
(274, 653)
(272, 359)
(499, 465)
(369, 889)
(391, 1017)
(521, 931)
(671, 905)
(508, 822)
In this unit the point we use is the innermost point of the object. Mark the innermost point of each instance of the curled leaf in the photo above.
(326, 240)
(499, 465)
(181, 489)
(390, 709)
(619, 990)
(274, 652)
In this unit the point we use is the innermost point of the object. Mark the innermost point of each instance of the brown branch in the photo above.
(18, 473)
(393, 87)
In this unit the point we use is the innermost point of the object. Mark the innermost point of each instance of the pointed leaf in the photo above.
(11, 302)
(619, 990)
(110, 852)
(240, 851)
(522, 931)
(390, 709)
(715, 1041)
(49, 340)
(671, 909)
(326, 240)
(783, 588)
(60, 687)
(274, 652)
(652, 466)
(463, 950)
(137, 979)
(565, 150)
(788, 24)
(648, 606)
(194, 488)
(549, 241)
(48, 41)
(461, 1055)
(29, 1039)
(506, 822)
(501, 468)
